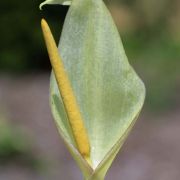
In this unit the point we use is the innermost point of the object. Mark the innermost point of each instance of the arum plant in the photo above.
(95, 94)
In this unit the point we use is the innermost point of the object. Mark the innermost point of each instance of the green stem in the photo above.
(94, 177)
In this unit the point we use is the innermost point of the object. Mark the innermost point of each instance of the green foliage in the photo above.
(21, 38)
(157, 60)
(14, 146)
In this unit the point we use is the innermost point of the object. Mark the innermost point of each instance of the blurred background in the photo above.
(30, 147)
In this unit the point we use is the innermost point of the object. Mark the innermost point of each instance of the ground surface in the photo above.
(150, 153)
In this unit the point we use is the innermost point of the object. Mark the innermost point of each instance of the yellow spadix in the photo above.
(69, 100)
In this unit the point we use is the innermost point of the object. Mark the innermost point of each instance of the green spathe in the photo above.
(109, 93)
(62, 2)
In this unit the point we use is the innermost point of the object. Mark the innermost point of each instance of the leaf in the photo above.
(62, 2)
(108, 91)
